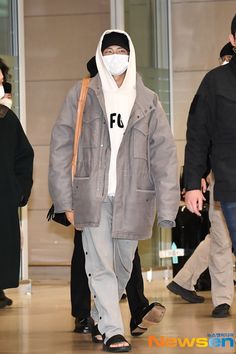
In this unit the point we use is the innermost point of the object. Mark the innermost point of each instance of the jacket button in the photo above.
(89, 275)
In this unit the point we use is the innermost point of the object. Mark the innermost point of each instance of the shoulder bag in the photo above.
(61, 217)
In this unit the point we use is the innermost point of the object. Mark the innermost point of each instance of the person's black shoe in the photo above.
(188, 295)
(149, 316)
(4, 300)
(96, 335)
(221, 311)
(83, 325)
(136, 329)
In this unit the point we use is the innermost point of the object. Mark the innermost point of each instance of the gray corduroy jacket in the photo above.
(147, 176)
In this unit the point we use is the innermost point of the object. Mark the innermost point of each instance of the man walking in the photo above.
(126, 171)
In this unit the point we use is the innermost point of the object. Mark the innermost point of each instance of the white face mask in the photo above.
(116, 63)
(2, 92)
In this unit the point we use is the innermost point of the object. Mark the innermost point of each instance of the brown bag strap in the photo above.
(79, 121)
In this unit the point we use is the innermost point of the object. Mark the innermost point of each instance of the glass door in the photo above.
(147, 23)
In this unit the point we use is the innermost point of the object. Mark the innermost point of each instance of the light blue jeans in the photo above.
(108, 264)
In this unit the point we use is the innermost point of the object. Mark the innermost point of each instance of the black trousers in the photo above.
(80, 293)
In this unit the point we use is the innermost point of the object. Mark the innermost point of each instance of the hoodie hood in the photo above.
(107, 79)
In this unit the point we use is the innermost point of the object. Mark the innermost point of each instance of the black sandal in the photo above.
(137, 330)
(95, 333)
(150, 315)
(118, 338)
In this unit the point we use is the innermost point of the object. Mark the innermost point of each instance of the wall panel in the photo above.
(200, 28)
(60, 37)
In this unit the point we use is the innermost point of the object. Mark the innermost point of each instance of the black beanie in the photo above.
(227, 50)
(115, 38)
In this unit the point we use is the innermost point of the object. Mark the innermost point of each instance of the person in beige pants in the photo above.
(215, 252)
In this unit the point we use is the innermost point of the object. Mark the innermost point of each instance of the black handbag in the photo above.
(61, 217)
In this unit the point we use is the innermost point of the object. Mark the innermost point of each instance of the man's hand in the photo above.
(194, 201)
(70, 216)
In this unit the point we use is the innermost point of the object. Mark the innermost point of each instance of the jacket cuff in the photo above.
(167, 224)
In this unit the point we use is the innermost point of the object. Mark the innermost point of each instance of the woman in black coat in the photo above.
(16, 165)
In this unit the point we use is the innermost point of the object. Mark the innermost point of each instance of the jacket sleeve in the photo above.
(24, 156)
(164, 169)
(61, 154)
(198, 138)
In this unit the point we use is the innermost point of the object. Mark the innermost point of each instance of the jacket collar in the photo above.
(96, 85)
(143, 102)
(144, 99)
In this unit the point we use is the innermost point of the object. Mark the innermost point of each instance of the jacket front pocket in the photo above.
(91, 131)
(141, 142)
(80, 190)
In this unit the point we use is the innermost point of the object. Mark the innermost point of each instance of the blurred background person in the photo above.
(16, 161)
(211, 127)
(184, 283)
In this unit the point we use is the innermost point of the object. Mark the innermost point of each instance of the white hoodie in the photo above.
(119, 102)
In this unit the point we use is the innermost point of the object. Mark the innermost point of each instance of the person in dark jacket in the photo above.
(213, 252)
(16, 161)
(211, 127)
